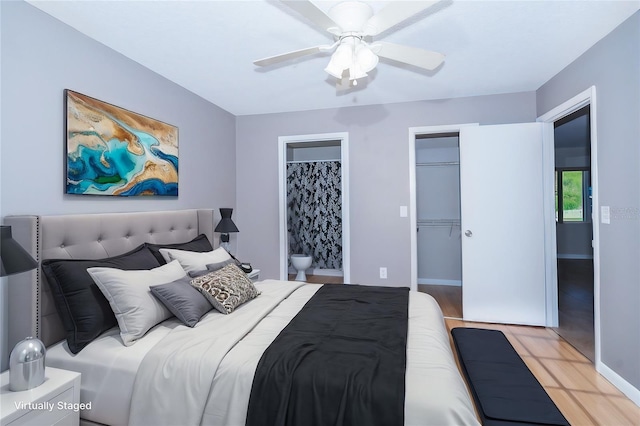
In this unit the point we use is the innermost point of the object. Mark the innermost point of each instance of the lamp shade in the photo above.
(14, 259)
(226, 225)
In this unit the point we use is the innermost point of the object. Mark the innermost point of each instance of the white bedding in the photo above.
(108, 371)
(177, 383)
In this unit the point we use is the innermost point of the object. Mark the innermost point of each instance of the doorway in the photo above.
(561, 114)
(574, 230)
(438, 220)
(433, 151)
(314, 205)
(502, 253)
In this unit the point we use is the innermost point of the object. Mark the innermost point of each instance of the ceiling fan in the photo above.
(353, 24)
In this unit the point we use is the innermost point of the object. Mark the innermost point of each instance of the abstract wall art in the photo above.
(113, 151)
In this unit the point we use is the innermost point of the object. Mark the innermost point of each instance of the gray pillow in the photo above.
(212, 267)
(183, 300)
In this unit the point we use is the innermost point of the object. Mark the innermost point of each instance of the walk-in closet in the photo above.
(438, 217)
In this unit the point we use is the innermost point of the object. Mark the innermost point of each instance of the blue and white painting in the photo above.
(112, 151)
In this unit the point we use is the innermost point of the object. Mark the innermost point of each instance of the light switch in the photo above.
(403, 211)
(605, 215)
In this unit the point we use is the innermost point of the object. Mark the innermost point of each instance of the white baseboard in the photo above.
(327, 272)
(616, 380)
(324, 272)
(575, 256)
(433, 281)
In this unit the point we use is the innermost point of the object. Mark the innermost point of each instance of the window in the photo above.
(573, 198)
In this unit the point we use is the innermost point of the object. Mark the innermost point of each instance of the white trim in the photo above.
(587, 97)
(343, 137)
(434, 281)
(548, 204)
(413, 221)
(312, 161)
(319, 271)
(616, 380)
(575, 256)
(327, 272)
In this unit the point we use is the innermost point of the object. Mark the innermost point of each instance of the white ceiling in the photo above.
(208, 47)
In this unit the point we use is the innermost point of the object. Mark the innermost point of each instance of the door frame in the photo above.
(283, 141)
(587, 97)
(413, 219)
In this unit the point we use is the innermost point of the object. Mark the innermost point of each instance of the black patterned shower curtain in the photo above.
(314, 201)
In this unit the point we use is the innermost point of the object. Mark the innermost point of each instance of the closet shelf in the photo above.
(438, 222)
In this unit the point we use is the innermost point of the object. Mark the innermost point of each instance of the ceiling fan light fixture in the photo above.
(355, 72)
(366, 59)
(334, 69)
(341, 60)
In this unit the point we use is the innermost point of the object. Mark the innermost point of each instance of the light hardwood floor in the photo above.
(583, 396)
(580, 392)
(448, 297)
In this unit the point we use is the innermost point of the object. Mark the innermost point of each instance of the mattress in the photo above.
(109, 368)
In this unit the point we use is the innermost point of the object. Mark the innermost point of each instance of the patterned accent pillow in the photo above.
(226, 288)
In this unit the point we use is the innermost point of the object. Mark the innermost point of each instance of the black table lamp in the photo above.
(225, 226)
(14, 259)
(26, 361)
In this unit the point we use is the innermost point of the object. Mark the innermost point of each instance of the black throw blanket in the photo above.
(340, 361)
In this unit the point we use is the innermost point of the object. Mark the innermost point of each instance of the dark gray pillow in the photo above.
(199, 244)
(183, 300)
(83, 309)
(211, 267)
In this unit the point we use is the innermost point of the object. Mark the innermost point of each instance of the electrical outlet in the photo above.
(383, 273)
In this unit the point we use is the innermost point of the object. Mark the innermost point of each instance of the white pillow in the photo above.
(131, 300)
(192, 261)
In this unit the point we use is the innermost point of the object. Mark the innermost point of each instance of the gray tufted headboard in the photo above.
(90, 236)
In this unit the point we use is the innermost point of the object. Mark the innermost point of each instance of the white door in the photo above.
(502, 217)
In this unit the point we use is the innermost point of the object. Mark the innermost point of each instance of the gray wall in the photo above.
(379, 173)
(613, 66)
(40, 58)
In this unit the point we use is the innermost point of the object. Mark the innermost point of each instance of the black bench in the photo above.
(505, 391)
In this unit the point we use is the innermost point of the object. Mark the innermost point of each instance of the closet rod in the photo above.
(440, 163)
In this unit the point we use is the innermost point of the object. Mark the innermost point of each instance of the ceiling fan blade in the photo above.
(289, 55)
(311, 12)
(394, 13)
(409, 55)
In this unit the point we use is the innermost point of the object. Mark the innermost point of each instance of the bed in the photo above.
(156, 380)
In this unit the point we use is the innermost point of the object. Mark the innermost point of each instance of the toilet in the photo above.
(301, 262)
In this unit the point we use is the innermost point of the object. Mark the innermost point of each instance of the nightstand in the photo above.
(54, 402)
(254, 275)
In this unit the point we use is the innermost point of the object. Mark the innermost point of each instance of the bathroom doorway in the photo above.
(314, 207)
